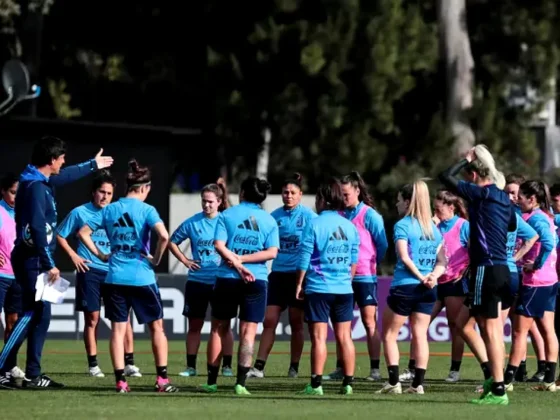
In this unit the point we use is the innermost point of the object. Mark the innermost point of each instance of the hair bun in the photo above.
(263, 186)
(221, 181)
(133, 165)
(297, 176)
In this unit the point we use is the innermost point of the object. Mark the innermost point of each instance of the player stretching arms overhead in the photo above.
(491, 217)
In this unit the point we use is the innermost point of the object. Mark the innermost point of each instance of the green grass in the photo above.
(273, 397)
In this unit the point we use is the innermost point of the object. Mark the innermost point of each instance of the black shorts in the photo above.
(282, 290)
(488, 287)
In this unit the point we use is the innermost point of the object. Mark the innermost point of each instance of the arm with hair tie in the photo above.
(448, 177)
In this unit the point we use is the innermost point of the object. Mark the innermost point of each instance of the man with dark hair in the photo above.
(36, 220)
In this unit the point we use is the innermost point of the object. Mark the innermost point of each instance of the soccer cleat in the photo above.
(551, 387)
(406, 376)
(292, 373)
(537, 377)
(485, 388)
(418, 390)
(374, 375)
(309, 390)
(241, 390)
(189, 372)
(509, 387)
(41, 382)
(209, 389)
(17, 373)
(491, 399)
(132, 371)
(390, 389)
(346, 390)
(7, 381)
(255, 373)
(335, 375)
(122, 387)
(453, 377)
(227, 371)
(96, 372)
(163, 385)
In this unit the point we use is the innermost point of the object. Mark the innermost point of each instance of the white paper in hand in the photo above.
(50, 292)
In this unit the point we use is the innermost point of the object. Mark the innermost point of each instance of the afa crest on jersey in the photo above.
(27, 234)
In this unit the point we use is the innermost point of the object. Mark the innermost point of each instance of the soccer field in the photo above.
(272, 397)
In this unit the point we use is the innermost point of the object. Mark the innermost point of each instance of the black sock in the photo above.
(550, 372)
(455, 365)
(191, 361)
(393, 374)
(541, 366)
(92, 360)
(374, 364)
(226, 362)
(316, 381)
(498, 389)
(129, 359)
(486, 370)
(509, 374)
(161, 371)
(347, 380)
(119, 375)
(294, 366)
(521, 371)
(411, 364)
(241, 375)
(260, 364)
(213, 374)
(338, 364)
(418, 377)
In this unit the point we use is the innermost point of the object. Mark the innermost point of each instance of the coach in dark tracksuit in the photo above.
(36, 219)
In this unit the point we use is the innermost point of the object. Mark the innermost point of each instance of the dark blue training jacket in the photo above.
(36, 215)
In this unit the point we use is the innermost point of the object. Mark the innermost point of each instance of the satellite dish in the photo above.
(15, 80)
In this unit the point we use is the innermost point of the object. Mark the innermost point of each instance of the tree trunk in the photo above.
(264, 155)
(459, 64)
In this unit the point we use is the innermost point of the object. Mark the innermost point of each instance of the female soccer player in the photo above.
(519, 243)
(451, 219)
(491, 217)
(246, 237)
(328, 259)
(199, 287)
(292, 218)
(10, 290)
(91, 271)
(537, 298)
(131, 281)
(373, 246)
(420, 263)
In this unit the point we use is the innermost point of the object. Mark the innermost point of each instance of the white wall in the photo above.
(183, 206)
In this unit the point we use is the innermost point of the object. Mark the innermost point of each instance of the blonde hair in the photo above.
(420, 208)
(485, 166)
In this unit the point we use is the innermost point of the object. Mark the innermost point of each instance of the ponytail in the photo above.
(355, 179)
(485, 166)
(539, 190)
(221, 183)
(447, 197)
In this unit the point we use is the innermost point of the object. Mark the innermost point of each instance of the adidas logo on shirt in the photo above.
(338, 235)
(249, 224)
(124, 221)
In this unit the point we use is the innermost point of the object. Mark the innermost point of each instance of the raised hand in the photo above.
(103, 161)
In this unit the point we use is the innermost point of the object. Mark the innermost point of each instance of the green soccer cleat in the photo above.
(241, 390)
(209, 389)
(309, 390)
(491, 399)
(346, 390)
